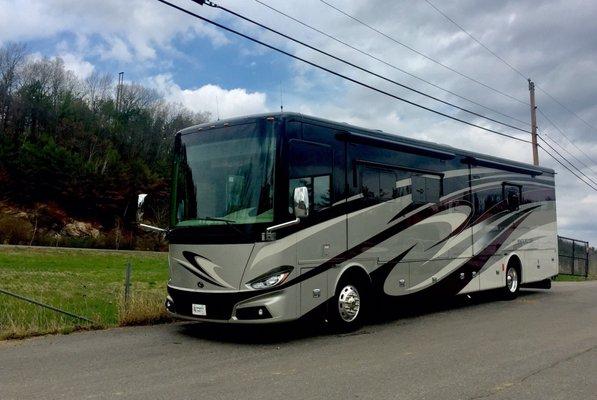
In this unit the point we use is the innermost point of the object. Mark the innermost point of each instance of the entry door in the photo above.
(322, 234)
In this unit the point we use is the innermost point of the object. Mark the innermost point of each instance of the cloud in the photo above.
(115, 49)
(131, 30)
(72, 62)
(212, 98)
(81, 68)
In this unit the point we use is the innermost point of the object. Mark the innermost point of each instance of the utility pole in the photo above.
(534, 123)
(119, 90)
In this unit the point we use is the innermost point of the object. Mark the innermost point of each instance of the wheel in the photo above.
(346, 311)
(512, 282)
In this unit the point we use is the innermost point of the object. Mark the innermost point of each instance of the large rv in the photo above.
(275, 216)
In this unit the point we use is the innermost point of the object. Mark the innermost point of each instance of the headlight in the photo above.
(271, 280)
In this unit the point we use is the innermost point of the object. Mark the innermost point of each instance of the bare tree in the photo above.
(98, 88)
(12, 56)
(135, 96)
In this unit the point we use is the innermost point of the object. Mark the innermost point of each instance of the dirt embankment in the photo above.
(49, 225)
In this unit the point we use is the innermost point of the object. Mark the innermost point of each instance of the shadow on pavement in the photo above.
(314, 325)
(255, 334)
(395, 310)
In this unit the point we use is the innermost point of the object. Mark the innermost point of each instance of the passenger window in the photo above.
(311, 166)
(488, 201)
(379, 184)
(319, 191)
(370, 183)
(387, 185)
(403, 186)
(512, 196)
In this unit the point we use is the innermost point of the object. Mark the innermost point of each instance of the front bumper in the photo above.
(235, 307)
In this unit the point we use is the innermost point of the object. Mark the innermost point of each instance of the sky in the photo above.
(551, 41)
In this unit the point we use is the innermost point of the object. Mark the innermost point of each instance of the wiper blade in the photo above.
(228, 221)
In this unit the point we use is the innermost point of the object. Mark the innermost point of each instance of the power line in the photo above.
(330, 71)
(568, 152)
(364, 84)
(542, 90)
(388, 63)
(566, 136)
(562, 164)
(422, 54)
(567, 109)
(509, 65)
(569, 170)
(353, 65)
(544, 136)
(476, 40)
(352, 47)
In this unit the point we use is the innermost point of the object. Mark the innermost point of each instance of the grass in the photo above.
(573, 278)
(89, 283)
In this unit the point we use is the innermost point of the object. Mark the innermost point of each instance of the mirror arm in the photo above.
(282, 225)
(152, 228)
(269, 233)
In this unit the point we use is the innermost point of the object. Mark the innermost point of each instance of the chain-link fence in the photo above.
(574, 256)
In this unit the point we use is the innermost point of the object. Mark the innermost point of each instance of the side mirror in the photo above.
(301, 202)
(139, 216)
(140, 201)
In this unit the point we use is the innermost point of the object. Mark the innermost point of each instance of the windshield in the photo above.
(225, 176)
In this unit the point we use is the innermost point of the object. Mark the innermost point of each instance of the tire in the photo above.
(512, 282)
(346, 310)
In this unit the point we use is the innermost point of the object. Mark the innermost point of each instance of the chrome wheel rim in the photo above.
(349, 303)
(512, 280)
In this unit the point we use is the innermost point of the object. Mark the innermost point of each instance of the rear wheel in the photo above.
(512, 282)
(347, 309)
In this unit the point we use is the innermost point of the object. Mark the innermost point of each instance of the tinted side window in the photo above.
(311, 166)
(309, 159)
(321, 192)
(370, 183)
(512, 196)
(488, 201)
(387, 185)
(380, 184)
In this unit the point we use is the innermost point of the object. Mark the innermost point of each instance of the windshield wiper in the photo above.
(228, 222)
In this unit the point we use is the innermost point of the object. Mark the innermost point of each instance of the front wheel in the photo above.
(512, 283)
(346, 311)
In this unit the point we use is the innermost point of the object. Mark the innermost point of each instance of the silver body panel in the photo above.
(231, 266)
(458, 243)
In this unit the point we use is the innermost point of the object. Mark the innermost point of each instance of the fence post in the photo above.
(573, 258)
(586, 259)
(127, 285)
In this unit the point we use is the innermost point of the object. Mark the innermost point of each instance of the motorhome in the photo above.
(276, 216)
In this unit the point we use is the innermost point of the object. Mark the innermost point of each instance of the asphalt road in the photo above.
(541, 346)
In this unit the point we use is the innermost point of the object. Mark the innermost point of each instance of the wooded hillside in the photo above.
(70, 153)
